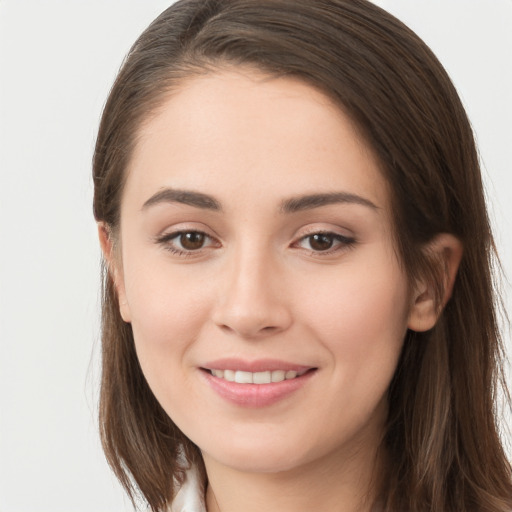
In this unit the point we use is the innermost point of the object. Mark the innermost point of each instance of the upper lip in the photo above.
(258, 365)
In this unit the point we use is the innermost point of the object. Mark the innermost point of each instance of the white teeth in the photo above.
(262, 378)
(266, 377)
(243, 377)
(229, 375)
(278, 375)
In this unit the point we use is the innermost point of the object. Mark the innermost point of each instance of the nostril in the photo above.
(251, 320)
(249, 331)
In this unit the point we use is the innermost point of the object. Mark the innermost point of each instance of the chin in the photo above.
(251, 457)
(258, 464)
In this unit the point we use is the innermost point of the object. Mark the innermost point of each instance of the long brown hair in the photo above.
(442, 438)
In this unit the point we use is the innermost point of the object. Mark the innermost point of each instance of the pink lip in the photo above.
(255, 395)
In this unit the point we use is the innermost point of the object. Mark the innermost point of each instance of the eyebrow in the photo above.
(292, 205)
(188, 197)
(308, 202)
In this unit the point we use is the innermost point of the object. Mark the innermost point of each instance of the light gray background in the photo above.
(57, 61)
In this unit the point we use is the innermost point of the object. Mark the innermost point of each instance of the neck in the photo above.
(345, 482)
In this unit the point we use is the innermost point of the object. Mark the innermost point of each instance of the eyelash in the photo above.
(167, 239)
(344, 242)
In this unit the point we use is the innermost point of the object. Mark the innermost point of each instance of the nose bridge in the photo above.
(252, 303)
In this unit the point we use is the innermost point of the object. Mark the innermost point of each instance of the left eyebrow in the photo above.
(308, 202)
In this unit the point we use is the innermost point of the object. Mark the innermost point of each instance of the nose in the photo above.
(252, 299)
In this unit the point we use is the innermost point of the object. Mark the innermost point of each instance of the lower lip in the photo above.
(256, 395)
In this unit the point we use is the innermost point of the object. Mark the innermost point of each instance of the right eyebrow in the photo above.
(188, 197)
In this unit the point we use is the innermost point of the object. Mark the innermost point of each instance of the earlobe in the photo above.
(113, 262)
(426, 306)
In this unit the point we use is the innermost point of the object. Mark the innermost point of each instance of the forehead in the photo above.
(237, 131)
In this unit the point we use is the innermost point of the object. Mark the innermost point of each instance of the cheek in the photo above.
(361, 317)
(161, 299)
(361, 322)
(168, 311)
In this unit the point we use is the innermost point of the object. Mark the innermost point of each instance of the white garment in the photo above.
(190, 497)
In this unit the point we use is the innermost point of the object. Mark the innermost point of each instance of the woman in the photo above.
(298, 305)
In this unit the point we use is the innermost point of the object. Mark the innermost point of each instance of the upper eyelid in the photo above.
(337, 236)
(170, 231)
(309, 231)
(176, 234)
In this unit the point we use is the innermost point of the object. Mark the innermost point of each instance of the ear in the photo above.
(447, 250)
(115, 269)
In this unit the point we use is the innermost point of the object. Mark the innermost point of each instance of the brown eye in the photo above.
(325, 243)
(187, 243)
(321, 241)
(192, 241)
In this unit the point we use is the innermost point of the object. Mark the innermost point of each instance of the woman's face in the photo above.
(256, 245)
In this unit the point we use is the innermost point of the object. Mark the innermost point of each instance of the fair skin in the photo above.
(256, 236)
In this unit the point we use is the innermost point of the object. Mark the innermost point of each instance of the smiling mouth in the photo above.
(269, 382)
(265, 377)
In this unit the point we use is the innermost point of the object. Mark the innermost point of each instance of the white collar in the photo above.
(190, 497)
